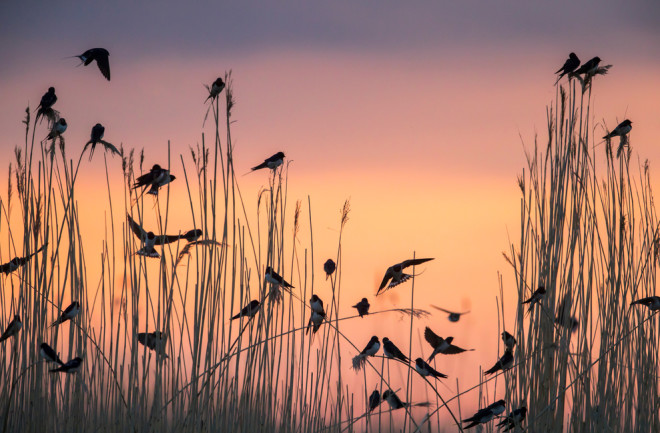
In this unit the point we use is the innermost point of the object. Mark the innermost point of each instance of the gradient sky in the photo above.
(415, 111)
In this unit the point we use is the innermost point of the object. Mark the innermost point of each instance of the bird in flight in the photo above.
(156, 178)
(441, 345)
(150, 239)
(362, 307)
(98, 131)
(396, 275)
(69, 313)
(101, 56)
(17, 262)
(453, 317)
(570, 65)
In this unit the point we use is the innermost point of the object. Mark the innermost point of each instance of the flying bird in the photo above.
(570, 65)
(514, 419)
(49, 354)
(275, 279)
(215, 89)
(426, 370)
(563, 316)
(391, 351)
(58, 129)
(652, 302)
(486, 414)
(156, 178)
(150, 239)
(392, 399)
(453, 317)
(374, 400)
(272, 162)
(12, 329)
(45, 107)
(536, 298)
(69, 313)
(508, 340)
(396, 275)
(621, 129)
(441, 345)
(504, 363)
(155, 341)
(329, 268)
(16, 262)
(70, 367)
(97, 137)
(362, 307)
(101, 56)
(590, 67)
(248, 311)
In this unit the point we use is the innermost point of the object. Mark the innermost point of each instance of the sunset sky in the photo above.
(417, 112)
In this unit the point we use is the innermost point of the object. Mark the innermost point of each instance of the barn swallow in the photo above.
(374, 400)
(395, 273)
(362, 307)
(69, 313)
(49, 354)
(45, 107)
(590, 67)
(315, 321)
(453, 317)
(329, 268)
(70, 367)
(248, 311)
(391, 351)
(441, 345)
(536, 298)
(16, 262)
(155, 341)
(392, 399)
(274, 278)
(372, 347)
(621, 129)
(273, 162)
(426, 370)
(316, 304)
(97, 137)
(12, 329)
(215, 89)
(509, 340)
(504, 363)
(514, 419)
(101, 57)
(144, 236)
(570, 65)
(58, 129)
(652, 302)
(486, 414)
(563, 316)
(156, 178)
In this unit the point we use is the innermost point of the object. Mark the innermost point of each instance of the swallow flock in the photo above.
(158, 177)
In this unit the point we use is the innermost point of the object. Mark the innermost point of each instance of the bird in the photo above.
(215, 89)
(329, 268)
(58, 129)
(69, 313)
(49, 354)
(391, 351)
(426, 370)
(70, 367)
(156, 178)
(570, 65)
(514, 419)
(509, 340)
(272, 162)
(453, 317)
(504, 363)
(563, 316)
(396, 275)
(16, 262)
(249, 310)
(536, 298)
(316, 304)
(97, 137)
(621, 129)
(372, 347)
(362, 307)
(274, 278)
(315, 321)
(590, 67)
(652, 302)
(12, 329)
(441, 345)
(155, 341)
(392, 399)
(45, 107)
(150, 239)
(374, 400)
(486, 414)
(101, 56)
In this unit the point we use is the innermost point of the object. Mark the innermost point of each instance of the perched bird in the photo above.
(570, 65)
(590, 67)
(504, 363)
(272, 162)
(315, 321)
(155, 341)
(215, 89)
(70, 367)
(391, 351)
(509, 340)
(248, 311)
(374, 400)
(156, 178)
(58, 129)
(45, 107)
(12, 329)
(621, 129)
(49, 354)
(16, 262)
(316, 304)
(329, 268)
(486, 414)
(97, 137)
(362, 307)
(372, 347)
(652, 302)
(69, 313)
(101, 57)
(274, 278)
(453, 317)
(426, 370)
(536, 298)
(441, 345)
(392, 399)
(514, 419)
(395, 273)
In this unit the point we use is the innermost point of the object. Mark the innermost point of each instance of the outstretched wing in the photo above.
(413, 262)
(137, 228)
(386, 279)
(431, 337)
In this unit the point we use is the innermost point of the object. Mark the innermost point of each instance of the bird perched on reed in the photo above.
(69, 313)
(570, 65)
(502, 364)
(17, 262)
(12, 329)
(362, 307)
(96, 137)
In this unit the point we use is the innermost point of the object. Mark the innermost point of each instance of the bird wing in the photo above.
(431, 337)
(453, 350)
(386, 279)
(413, 262)
(104, 65)
(137, 228)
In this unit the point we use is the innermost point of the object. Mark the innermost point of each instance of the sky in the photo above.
(417, 112)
